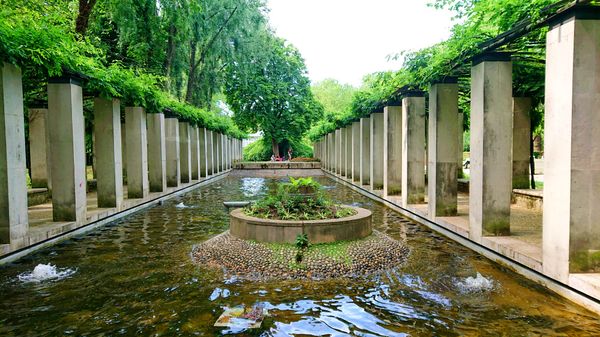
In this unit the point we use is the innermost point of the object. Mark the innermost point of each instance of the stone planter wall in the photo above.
(284, 231)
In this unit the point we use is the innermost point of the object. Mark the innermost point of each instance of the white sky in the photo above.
(347, 39)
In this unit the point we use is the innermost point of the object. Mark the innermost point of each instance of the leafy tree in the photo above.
(271, 92)
(335, 97)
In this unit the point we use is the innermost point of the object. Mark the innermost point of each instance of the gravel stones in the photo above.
(258, 261)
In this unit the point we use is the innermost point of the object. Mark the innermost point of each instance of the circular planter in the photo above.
(349, 228)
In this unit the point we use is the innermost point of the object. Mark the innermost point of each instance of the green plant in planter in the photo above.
(300, 199)
(304, 185)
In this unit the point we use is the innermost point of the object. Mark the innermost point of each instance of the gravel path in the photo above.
(259, 261)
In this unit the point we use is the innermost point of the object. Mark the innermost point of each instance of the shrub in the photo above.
(300, 199)
(261, 149)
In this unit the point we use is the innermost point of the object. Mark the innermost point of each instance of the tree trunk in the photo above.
(531, 157)
(191, 84)
(275, 147)
(83, 17)
(170, 56)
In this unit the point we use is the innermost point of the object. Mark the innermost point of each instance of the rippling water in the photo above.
(135, 277)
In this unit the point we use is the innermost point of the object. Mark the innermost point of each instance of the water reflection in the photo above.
(135, 277)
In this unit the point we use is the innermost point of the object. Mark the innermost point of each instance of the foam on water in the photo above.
(181, 205)
(475, 284)
(43, 272)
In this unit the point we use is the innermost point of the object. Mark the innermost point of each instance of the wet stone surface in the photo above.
(262, 261)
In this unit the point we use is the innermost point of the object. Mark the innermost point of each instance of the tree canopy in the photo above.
(478, 21)
(270, 92)
(167, 56)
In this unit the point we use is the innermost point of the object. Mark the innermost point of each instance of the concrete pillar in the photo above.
(227, 152)
(330, 148)
(348, 149)
(413, 148)
(392, 149)
(222, 152)
(107, 122)
(210, 166)
(342, 152)
(217, 151)
(14, 221)
(172, 147)
(521, 142)
(337, 151)
(376, 158)
(67, 146)
(124, 151)
(195, 153)
(365, 151)
(203, 153)
(137, 152)
(356, 151)
(491, 145)
(39, 148)
(571, 232)
(185, 152)
(443, 148)
(157, 153)
(461, 130)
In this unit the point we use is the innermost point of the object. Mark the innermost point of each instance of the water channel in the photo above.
(135, 277)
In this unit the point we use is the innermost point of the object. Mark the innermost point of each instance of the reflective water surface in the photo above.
(135, 277)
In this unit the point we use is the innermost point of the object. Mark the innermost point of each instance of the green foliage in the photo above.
(302, 241)
(335, 97)
(257, 151)
(44, 47)
(480, 20)
(272, 93)
(261, 150)
(301, 199)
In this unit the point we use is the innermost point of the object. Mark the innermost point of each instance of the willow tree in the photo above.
(270, 91)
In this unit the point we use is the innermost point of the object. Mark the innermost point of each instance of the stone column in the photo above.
(109, 171)
(491, 145)
(203, 153)
(365, 151)
(376, 158)
(14, 221)
(228, 152)
(210, 166)
(172, 146)
(195, 152)
(571, 230)
(185, 157)
(217, 151)
(413, 148)
(461, 131)
(330, 148)
(222, 152)
(157, 153)
(392, 149)
(342, 151)
(443, 147)
(137, 152)
(67, 146)
(39, 148)
(521, 141)
(349, 152)
(124, 151)
(356, 151)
